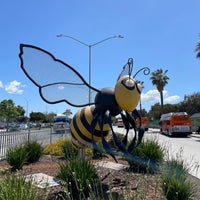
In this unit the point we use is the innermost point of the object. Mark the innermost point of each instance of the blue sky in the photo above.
(157, 34)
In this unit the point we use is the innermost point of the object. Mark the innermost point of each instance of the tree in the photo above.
(20, 111)
(68, 112)
(191, 103)
(49, 117)
(160, 79)
(154, 111)
(143, 112)
(8, 110)
(37, 116)
(197, 49)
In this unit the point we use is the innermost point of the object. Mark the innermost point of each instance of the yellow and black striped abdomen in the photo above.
(81, 128)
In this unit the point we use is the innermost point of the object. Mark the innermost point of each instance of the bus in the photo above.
(61, 124)
(176, 123)
(144, 124)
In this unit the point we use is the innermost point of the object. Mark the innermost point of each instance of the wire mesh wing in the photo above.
(127, 68)
(56, 80)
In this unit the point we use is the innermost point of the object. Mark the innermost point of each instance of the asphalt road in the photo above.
(184, 148)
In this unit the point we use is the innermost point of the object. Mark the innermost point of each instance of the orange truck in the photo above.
(176, 123)
(144, 124)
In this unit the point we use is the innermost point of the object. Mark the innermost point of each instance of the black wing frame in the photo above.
(56, 80)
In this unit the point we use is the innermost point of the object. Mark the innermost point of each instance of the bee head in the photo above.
(127, 93)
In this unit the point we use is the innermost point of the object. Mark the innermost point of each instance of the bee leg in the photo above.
(93, 124)
(117, 141)
(140, 134)
(137, 115)
(132, 144)
(133, 123)
(108, 149)
(140, 129)
(127, 126)
(104, 142)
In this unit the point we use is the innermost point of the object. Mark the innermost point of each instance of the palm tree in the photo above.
(159, 78)
(197, 49)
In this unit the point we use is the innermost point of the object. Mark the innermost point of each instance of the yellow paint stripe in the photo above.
(81, 127)
(89, 118)
(83, 142)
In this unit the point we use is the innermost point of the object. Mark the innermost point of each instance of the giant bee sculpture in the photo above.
(59, 82)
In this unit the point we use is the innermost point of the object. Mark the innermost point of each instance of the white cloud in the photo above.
(14, 87)
(1, 84)
(153, 96)
(172, 99)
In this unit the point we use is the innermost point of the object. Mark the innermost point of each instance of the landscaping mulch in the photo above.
(120, 182)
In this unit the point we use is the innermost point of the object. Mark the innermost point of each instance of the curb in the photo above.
(195, 135)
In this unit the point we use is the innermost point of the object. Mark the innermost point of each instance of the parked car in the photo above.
(23, 126)
(2, 126)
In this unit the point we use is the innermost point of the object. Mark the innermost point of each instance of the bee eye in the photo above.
(129, 82)
(140, 87)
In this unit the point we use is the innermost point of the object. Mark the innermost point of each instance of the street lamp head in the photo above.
(119, 36)
(59, 35)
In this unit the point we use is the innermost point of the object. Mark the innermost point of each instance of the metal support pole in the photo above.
(82, 151)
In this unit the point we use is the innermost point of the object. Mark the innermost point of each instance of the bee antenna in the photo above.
(127, 68)
(130, 64)
(145, 70)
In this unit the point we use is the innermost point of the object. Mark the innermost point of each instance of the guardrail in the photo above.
(43, 136)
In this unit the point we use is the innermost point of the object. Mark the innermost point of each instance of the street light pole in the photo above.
(90, 53)
(89, 60)
(26, 108)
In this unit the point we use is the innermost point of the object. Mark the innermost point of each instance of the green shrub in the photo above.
(147, 157)
(16, 157)
(34, 151)
(79, 177)
(174, 181)
(14, 187)
(175, 166)
(68, 150)
(13, 129)
(54, 148)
